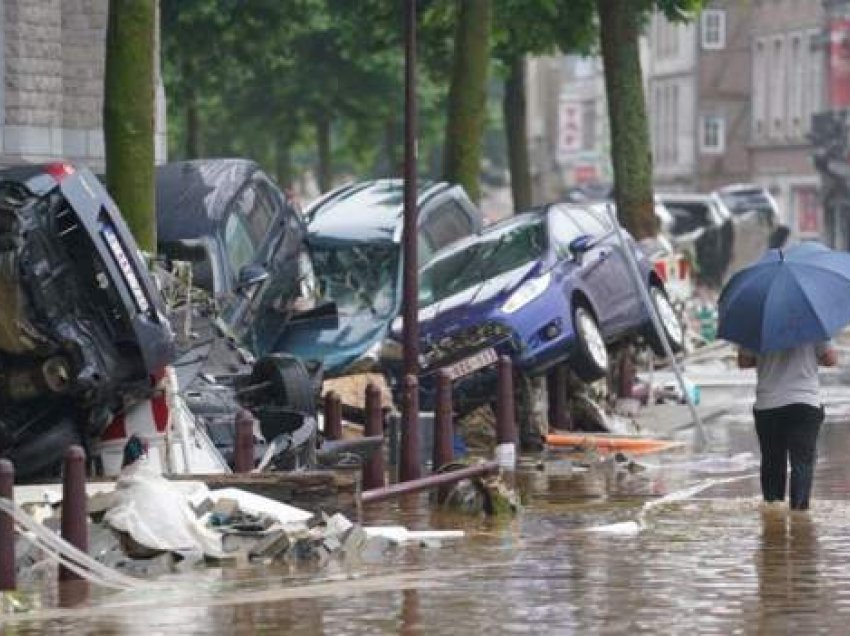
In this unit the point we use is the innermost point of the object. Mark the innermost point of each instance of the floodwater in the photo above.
(681, 547)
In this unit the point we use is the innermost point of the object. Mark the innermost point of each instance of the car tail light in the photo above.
(683, 268)
(59, 170)
(661, 269)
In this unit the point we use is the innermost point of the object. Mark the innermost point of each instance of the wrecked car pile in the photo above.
(82, 328)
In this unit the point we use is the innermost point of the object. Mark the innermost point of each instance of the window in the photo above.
(759, 87)
(564, 229)
(777, 82)
(254, 205)
(446, 224)
(237, 241)
(796, 80)
(712, 134)
(813, 100)
(713, 29)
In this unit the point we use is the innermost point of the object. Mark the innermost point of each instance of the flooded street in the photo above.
(682, 546)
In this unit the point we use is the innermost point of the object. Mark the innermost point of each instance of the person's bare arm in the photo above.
(746, 360)
(827, 356)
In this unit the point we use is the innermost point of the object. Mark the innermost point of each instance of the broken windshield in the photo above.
(496, 253)
(360, 277)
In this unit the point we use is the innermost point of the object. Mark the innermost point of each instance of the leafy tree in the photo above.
(620, 25)
(467, 95)
(128, 114)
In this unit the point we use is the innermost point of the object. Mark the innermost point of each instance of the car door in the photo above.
(624, 298)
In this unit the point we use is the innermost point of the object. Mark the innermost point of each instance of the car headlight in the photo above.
(526, 293)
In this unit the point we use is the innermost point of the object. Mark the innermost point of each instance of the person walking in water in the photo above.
(788, 414)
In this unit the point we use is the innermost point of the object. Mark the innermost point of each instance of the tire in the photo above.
(669, 320)
(589, 359)
(291, 385)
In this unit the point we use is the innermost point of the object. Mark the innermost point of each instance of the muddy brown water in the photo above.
(595, 552)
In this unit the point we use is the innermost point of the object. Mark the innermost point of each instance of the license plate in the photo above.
(472, 363)
(123, 263)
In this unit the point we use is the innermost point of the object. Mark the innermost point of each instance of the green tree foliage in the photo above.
(620, 24)
(128, 114)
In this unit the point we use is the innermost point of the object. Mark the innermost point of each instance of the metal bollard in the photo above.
(506, 429)
(410, 467)
(74, 514)
(373, 470)
(443, 425)
(625, 373)
(333, 416)
(243, 454)
(7, 528)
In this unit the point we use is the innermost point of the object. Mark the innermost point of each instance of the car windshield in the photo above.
(360, 277)
(496, 253)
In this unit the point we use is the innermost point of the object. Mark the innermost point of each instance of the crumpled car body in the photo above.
(354, 234)
(514, 290)
(82, 326)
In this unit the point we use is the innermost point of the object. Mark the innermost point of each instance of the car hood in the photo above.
(336, 346)
(476, 300)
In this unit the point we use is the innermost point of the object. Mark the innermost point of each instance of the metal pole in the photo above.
(506, 426)
(333, 416)
(373, 469)
(7, 527)
(701, 439)
(443, 429)
(410, 327)
(74, 515)
(243, 456)
(431, 481)
(410, 466)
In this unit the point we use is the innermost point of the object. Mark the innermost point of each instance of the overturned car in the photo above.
(82, 327)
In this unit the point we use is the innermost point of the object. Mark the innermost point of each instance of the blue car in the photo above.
(546, 287)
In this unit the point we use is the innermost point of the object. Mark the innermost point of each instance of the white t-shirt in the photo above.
(789, 376)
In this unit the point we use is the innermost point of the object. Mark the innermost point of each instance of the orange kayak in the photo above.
(633, 445)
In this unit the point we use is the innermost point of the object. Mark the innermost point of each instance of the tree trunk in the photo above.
(516, 128)
(619, 26)
(323, 141)
(468, 95)
(128, 115)
(193, 126)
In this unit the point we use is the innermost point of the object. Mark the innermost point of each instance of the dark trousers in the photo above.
(788, 433)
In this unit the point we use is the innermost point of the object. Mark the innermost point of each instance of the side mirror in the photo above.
(581, 244)
(250, 276)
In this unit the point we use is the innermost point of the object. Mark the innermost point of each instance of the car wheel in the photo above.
(288, 381)
(590, 356)
(669, 321)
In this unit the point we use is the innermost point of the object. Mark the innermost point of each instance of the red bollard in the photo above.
(625, 373)
(243, 454)
(333, 416)
(443, 425)
(74, 513)
(373, 470)
(410, 467)
(7, 528)
(506, 430)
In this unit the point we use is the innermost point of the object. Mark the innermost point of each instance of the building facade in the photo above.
(51, 90)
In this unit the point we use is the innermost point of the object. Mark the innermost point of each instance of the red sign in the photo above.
(569, 128)
(808, 212)
(584, 174)
(839, 63)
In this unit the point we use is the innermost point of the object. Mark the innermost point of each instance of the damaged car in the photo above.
(245, 243)
(82, 326)
(546, 287)
(354, 235)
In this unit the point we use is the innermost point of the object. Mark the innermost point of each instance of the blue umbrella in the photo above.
(787, 298)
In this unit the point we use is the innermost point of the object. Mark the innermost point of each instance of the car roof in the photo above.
(366, 211)
(191, 196)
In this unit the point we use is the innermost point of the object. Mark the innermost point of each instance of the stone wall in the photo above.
(52, 84)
